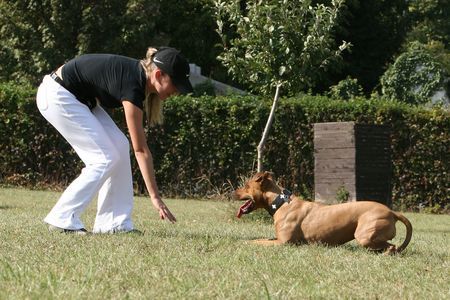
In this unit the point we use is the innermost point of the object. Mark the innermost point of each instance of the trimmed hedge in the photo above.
(31, 152)
(207, 144)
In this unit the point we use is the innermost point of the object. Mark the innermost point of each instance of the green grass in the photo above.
(205, 256)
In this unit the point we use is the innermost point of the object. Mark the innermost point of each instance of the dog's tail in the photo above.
(408, 225)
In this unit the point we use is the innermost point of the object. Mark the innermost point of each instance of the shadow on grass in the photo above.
(5, 207)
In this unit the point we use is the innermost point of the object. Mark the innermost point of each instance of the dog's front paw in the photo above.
(267, 242)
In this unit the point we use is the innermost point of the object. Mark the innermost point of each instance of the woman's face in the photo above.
(162, 84)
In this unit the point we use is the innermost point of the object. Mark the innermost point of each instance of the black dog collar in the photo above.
(284, 197)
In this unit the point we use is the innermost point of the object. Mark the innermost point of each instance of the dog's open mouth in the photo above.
(245, 208)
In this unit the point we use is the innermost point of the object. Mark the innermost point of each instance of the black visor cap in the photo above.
(171, 62)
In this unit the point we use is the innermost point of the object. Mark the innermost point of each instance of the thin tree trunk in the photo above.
(265, 134)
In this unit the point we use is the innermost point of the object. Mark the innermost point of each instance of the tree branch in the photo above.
(265, 134)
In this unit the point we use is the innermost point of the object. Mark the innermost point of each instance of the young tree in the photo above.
(278, 43)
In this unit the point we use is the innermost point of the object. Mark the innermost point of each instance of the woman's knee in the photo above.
(119, 155)
(111, 161)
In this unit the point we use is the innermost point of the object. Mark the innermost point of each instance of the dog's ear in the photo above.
(261, 176)
(268, 175)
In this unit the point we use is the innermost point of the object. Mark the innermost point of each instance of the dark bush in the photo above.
(32, 152)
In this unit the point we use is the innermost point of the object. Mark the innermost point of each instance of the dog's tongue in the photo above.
(245, 208)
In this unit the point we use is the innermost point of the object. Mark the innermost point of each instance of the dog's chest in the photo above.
(288, 223)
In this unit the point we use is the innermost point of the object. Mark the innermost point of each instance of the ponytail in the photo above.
(152, 103)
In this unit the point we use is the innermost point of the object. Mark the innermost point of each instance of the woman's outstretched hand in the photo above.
(165, 214)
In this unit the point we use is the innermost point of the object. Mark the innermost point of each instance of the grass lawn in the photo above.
(205, 256)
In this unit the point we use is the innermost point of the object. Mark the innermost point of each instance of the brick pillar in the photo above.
(354, 158)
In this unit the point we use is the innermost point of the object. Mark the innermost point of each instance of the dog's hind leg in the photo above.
(375, 236)
(382, 247)
(378, 246)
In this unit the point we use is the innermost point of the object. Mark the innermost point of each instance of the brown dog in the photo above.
(296, 221)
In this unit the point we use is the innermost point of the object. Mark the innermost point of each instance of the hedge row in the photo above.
(208, 144)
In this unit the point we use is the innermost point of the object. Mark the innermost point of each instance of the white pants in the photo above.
(105, 151)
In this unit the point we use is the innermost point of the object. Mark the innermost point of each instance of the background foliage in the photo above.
(346, 89)
(376, 30)
(430, 21)
(414, 77)
(38, 36)
(208, 143)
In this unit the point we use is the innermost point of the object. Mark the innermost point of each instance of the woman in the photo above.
(71, 99)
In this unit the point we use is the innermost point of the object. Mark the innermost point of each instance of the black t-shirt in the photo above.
(110, 78)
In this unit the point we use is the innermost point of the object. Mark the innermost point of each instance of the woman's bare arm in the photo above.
(134, 119)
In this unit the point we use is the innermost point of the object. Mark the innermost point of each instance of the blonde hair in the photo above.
(152, 103)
